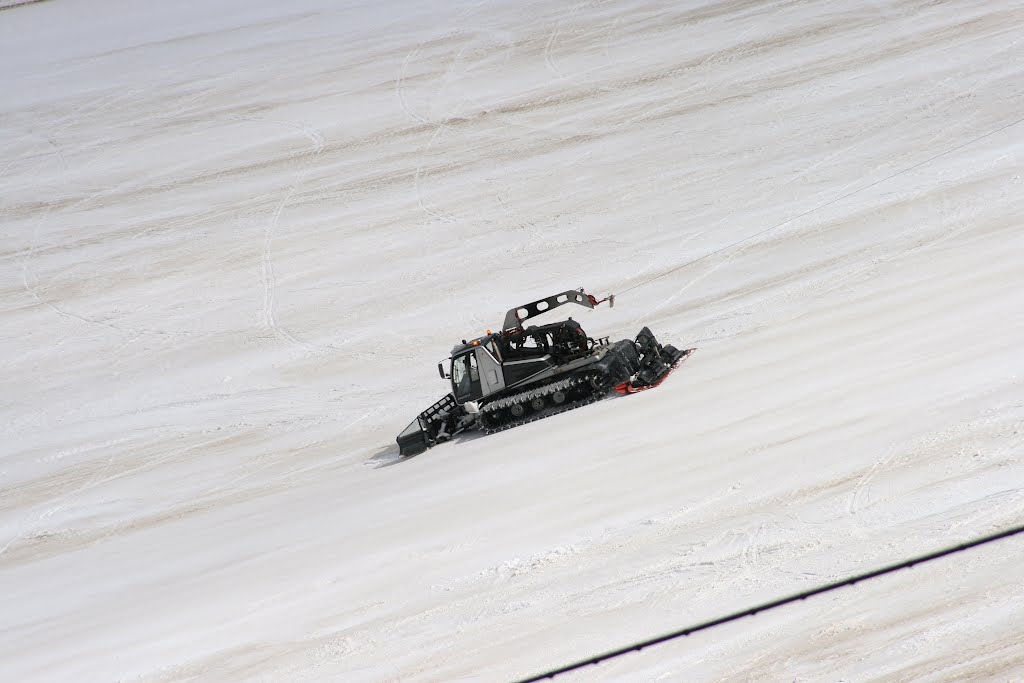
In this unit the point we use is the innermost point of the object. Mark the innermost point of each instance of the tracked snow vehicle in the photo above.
(521, 374)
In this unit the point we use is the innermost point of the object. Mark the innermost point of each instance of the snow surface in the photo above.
(237, 235)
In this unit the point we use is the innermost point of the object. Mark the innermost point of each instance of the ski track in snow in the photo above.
(316, 139)
(237, 240)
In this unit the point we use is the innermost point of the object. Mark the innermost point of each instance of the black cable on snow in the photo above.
(21, 3)
(764, 607)
(820, 206)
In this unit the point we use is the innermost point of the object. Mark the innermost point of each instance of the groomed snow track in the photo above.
(235, 235)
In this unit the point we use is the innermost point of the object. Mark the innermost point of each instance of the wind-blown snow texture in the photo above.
(238, 235)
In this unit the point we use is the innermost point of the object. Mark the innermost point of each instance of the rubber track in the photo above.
(523, 397)
(594, 398)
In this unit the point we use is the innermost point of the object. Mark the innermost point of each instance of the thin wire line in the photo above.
(822, 206)
(20, 4)
(763, 607)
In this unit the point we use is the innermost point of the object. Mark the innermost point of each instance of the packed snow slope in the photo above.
(238, 235)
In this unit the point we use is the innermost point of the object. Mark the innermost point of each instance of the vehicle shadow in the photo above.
(387, 456)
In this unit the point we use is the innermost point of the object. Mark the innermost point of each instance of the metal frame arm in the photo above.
(516, 316)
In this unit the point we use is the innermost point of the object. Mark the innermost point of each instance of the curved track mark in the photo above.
(400, 87)
(268, 277)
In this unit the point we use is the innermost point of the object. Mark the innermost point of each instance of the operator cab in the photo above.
(476, 370)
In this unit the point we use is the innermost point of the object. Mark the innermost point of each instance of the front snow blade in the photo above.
(438, 423)
(413, 440)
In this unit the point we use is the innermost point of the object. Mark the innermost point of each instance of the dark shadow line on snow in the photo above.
(21, 3)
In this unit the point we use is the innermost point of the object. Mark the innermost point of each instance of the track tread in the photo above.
(526, 396)
(594, 398)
